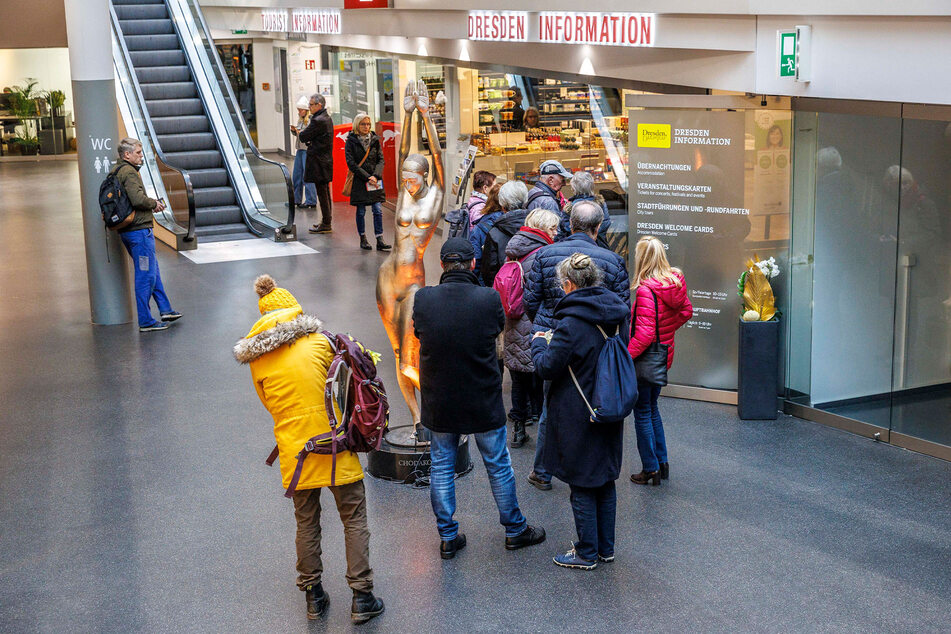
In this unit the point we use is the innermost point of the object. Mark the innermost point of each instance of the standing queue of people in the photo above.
(574, 288)
(574, 291)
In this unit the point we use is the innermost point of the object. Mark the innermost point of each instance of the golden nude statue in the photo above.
(418, 210)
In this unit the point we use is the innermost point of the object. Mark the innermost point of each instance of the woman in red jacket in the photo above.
(654, 278)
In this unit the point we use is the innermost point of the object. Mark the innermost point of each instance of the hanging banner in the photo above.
(687, 189)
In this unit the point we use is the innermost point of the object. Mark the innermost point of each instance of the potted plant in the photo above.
(25, 109)
(758, 378)
(53, 140)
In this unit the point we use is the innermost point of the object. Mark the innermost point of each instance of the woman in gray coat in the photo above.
(540, 228)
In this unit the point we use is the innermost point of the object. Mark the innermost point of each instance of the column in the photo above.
(97, 130)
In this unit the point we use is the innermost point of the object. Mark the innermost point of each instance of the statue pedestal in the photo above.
(402, 459)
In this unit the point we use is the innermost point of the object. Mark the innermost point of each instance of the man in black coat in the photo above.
(457, 323)
(319, 167)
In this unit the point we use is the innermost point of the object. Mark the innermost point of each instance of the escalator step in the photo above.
(190, 142)
(151, 43)
(133, 2)
(195, 160)
(167, 57)
(161, 26)
(217, 177)
(226, 214)
(174, 107)
(181, 125)
(169, 90)
(163, 74)
(140, 11)
(214, 197)
(218, 233)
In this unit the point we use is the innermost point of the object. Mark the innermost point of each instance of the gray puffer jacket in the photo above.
(517, 335)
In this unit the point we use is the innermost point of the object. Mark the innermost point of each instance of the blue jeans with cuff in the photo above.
(498, 465)
(148, 281)
(377, 219)
(595, 511)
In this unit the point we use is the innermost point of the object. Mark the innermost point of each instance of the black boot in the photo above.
(317, 600)
(364, 243)
(365, 607)
(518, 433)
(664, 470)
(382, 246)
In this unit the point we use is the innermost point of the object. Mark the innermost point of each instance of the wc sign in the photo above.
(101, 149)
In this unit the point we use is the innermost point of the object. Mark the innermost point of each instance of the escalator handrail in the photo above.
(216, 60)
(189, 190)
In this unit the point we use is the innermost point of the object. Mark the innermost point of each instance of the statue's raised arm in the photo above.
(422, 104)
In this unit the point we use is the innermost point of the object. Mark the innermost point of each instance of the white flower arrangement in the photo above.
(769, 268)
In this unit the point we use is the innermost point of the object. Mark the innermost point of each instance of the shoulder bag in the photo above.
(651, 365)
(348, 181)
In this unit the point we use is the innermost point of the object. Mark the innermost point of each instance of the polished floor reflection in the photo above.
(134, 495)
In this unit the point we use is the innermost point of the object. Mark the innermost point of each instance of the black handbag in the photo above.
(651, 365)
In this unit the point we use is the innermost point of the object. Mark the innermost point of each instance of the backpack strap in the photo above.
(271, 457)
(581, 392)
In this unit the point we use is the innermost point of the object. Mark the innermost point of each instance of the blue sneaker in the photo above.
(155, 325)
(571, 560)
(172, 316)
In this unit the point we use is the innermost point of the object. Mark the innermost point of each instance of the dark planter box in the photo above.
(52, 141)
(758, 370)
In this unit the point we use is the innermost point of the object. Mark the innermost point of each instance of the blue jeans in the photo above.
(498, 464)
(377, 219)
(649, 427)
(148, 281)
(595, 511)
(539, 467)
(300, 187)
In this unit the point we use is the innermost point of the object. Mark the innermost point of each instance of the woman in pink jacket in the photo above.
(654, 278)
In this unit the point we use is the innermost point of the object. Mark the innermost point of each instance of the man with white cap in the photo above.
(552, 176)
(305, 194)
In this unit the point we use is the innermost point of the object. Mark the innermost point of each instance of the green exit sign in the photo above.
(787, 53)
(239, 31)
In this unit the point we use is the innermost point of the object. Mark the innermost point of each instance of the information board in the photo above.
(686, 187)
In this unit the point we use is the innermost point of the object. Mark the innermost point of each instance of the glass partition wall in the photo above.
(869, 334)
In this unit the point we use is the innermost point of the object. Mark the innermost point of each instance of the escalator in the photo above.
(194, 127)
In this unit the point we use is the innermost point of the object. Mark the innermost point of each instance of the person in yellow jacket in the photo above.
(289, 358)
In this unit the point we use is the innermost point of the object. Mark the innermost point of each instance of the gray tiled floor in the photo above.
(133, 494)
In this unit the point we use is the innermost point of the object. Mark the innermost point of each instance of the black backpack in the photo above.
(458, 220)
(493, 249)
(113, 202)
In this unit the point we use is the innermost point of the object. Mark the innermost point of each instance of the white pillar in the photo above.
(89, 34)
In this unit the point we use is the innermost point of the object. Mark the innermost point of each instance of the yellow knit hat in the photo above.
(272, 297)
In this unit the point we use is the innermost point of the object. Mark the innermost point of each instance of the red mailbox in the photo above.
(340, 162)
(390, 138)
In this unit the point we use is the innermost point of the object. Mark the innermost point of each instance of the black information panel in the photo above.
(687, 188)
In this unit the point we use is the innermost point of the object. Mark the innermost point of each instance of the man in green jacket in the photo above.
(136, 235)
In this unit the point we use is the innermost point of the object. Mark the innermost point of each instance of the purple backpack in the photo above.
(355, 391)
